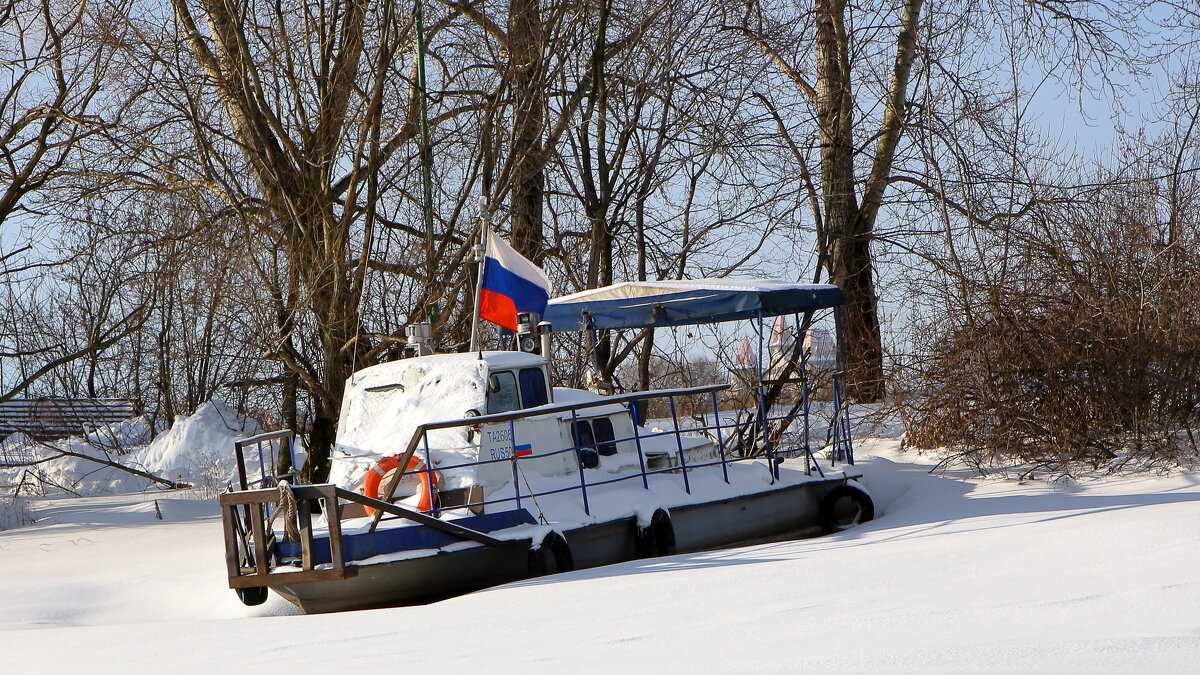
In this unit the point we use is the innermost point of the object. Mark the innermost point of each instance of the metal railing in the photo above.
(759, 445)
(265, 478)
(250, 541)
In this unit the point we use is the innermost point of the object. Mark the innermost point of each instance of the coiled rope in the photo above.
(287, 505)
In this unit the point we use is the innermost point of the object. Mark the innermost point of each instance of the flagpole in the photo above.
(426, 146)
(480, 251)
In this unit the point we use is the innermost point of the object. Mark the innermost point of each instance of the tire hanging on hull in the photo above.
(551, 556)
(253, 595)
(657, 539)
(844, 507)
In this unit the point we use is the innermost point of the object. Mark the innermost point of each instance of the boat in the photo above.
(457, 472)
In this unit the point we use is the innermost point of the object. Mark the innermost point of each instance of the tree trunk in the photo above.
(526, 56)
(849, 262)
(288, 416)
(848, 227)
(853, 272)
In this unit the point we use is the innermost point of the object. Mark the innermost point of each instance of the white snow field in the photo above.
(954, 575)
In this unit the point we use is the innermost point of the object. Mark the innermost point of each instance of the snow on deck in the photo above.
(954, 575)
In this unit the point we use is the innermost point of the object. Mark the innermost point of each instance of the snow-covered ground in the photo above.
(954, 575)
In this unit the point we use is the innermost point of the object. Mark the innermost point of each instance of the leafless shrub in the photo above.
(211, 473)
(14, 513)
(1088, 353)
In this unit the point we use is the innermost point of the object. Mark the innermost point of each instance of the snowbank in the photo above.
(76, 466)
(123, 436)
(197, 450)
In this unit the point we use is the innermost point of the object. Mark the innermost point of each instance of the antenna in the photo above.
(426, 147)
(479, 255)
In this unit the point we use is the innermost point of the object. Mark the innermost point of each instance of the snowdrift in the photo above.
(386, 404)
(956, 574)
(197, 449)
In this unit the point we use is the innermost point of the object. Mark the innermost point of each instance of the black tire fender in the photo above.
(252, 595)
(844, 507)
(551, 556)
(657, 539)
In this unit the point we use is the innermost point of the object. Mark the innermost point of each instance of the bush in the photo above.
(14, 513)
(1086, 350)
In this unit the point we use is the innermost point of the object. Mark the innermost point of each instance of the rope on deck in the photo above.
(287, 505)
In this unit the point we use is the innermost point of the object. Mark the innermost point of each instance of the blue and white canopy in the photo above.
(639, 304)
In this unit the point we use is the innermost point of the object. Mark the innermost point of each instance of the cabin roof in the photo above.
(494, 360)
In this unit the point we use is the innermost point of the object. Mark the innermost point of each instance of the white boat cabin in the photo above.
(384, 405)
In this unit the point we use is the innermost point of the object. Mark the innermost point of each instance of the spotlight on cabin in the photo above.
(420, 339)
(527, 340)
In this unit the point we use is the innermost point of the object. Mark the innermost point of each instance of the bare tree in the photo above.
(50, 107)
(846, 209)
(305, 103)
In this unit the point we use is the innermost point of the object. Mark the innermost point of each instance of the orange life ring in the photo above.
(376, 473)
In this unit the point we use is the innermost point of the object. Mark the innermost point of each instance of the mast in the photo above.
(426, 148)
(480, 251)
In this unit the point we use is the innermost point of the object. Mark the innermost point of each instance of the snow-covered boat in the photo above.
(455, 472)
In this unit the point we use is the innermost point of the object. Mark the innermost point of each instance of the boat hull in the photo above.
(777, 513)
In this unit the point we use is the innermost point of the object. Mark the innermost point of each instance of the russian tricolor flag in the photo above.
(511, 284)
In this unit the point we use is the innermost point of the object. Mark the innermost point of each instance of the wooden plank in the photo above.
(304, 514)
(336, 555)
(305, 577)
(265, 495)
(260, 538)
(228, 517)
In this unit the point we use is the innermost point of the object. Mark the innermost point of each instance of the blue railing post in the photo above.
(637, 442)
(762, 408)
(838, 382)
(577, 438)
(849, 436)
(433, 507)
(809, 460)
(512, 455)
(516, 481)
(720, 438)
(835, 422)
(687, 487)
(291, 441)
(582, 483)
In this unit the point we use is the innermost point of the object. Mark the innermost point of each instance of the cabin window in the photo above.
(605, 438)
(585, 444)
(502, 392)
(533, 387)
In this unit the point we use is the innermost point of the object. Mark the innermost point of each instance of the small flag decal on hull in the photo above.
(523, 450)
